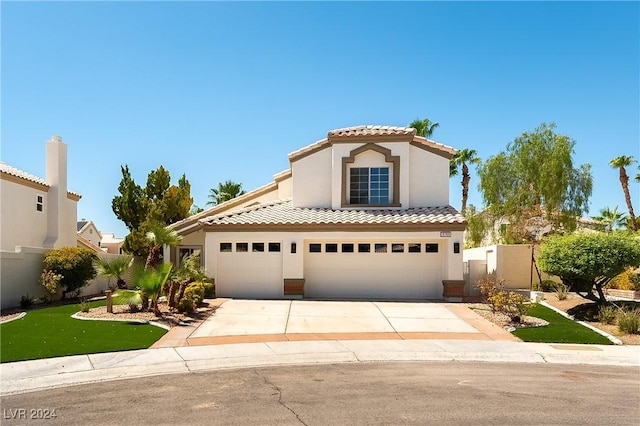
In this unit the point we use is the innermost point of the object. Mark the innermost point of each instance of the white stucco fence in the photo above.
(20, 272)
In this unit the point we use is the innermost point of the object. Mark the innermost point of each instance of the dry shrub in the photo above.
(509, 303)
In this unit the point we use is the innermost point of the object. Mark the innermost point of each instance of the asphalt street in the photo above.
(395, 393)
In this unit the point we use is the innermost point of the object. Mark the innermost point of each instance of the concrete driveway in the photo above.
(279, 320)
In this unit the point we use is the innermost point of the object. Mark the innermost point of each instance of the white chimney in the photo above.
(57, 210)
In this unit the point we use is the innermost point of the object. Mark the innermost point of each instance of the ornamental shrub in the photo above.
(629, 321)
(509, 303)
(628, 280)
(607, 314)
(193, 296)
(73, 264)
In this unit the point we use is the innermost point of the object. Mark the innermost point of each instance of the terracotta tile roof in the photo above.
(369, 130)
(353, 134)
(283, 213)
(10, 170)
(5, 168)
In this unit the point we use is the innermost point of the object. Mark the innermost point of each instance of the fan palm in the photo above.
(150, 282)
(113, 267)
(424, 127)
(611, 218)
(621, 163)
(160, 236)
(460, 160)
(225, 192)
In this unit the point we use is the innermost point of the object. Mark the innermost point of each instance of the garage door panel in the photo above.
(373, 275)
(249, 275)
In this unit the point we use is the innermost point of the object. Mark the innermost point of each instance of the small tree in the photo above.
(150, 281)
(73, 264)
(114, 267)
(586, 262)
(611, 218)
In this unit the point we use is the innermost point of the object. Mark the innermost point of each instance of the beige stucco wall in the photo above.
(312, 180)
(510, 262)
(21, 224)
(19, 274)
(424, 176)
(429, 179)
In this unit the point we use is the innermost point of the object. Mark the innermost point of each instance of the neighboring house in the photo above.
(111, 244)
(37, 215)
(362, 213)
(82, 242)
(538, 228)
(88, 230)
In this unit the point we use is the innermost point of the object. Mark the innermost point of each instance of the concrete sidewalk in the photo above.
(26, 376)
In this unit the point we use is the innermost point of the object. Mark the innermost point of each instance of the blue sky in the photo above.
(222, 91)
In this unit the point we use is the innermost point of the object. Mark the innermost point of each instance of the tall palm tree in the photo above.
(611, 218)
(621, 163)
(424, 127)
(460, 160)
(113, 267)
(225, 192)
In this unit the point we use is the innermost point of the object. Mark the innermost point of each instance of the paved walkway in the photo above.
(304, 332)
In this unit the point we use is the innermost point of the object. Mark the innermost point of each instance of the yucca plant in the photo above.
(150, 282)
(113, 267)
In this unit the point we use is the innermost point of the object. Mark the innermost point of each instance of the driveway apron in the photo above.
(243, 321)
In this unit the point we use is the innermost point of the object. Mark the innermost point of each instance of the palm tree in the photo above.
(113, 267)
(424, 127)
(462, 158)
(160, 236)
(611, 218)
(620, 163)
(225, 192)
(150, 282)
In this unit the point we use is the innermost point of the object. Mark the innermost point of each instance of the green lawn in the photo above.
(51, 332)
(559, 330)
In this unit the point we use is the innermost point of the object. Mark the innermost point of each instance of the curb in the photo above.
(21, 315)
(157, 324)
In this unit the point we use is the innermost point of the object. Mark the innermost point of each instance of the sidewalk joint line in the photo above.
(286, 325)
(388, 322)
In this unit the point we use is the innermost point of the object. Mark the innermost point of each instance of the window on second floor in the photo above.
(369, 185)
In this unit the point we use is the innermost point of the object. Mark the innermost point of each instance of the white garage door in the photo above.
(373, 269)
(250, 270)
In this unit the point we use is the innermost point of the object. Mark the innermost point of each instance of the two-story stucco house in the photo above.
(36, 215)
(362, 213)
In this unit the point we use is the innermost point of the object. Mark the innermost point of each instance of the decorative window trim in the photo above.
(393, 159)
